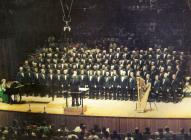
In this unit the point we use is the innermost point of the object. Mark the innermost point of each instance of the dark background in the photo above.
(26, 24)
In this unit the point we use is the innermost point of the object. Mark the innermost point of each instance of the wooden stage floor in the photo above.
(110, 108)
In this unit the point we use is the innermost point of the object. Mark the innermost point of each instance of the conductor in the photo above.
(74, 84)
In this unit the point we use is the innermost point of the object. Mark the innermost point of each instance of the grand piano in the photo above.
(14, 91)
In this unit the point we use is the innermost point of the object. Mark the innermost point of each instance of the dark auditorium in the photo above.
(95, 69)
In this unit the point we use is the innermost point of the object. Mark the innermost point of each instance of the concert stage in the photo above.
(109, 108)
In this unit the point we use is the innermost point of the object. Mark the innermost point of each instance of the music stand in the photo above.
(82, 93)
(76, 110)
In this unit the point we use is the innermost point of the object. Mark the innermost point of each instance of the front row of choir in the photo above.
(110, 86)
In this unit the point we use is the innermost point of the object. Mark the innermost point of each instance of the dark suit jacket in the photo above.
(91, 82)
(28, 78)
(74, 84)
(20, 77)
(83, 79)
(156, 86)
(174, 85)
(42, 80)
(115, 82)
(36, 79)
(57, 81)
(124, 83)
(165, 84)
(50, 81)
(132, 83)
(65, 79)
(107, 82)
(99, 82)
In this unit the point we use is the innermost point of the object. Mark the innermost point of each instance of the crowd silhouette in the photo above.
(45, 131)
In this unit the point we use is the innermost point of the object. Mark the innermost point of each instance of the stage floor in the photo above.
(110, 108)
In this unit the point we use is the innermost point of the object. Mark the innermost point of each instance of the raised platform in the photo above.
(75, 110)
(109, 108)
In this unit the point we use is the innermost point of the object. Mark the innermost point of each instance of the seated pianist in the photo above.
(4, 97)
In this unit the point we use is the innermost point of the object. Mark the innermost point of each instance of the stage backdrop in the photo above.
(8, 58)
(27, 25)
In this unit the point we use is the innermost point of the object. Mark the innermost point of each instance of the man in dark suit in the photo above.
(153, 72)
(161, 73)
(165, 87)
(74, 84)
(174, 87)
(107, 86)
(144, 71)
(26, 65)
(21, 76)
(50, 83)
(155, 88)
(58, 82)
(99, 84)
(28, 76)
(128, 69)
(83, 79)
(42, 77)
(179, 72)
(115, 82)
(132, 86)
(169, 71)
(36, 82)
(42, 81)
(65, 82)
(27, 82)
(124, 85)
(36, 76)
(91, 84)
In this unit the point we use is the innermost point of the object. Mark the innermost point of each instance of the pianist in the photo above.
(3, 95)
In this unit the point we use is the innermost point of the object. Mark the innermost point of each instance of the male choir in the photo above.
(109, 72)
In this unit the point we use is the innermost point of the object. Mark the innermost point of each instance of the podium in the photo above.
(77, 110)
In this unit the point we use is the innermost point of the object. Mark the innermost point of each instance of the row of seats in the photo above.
(45, 131)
